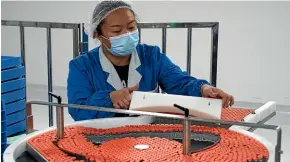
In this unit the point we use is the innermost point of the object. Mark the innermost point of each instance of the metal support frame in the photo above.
(22, 44)
(49, 72)
(83, 40)
(186, 141)
(60, 122)
(214, 41)
(189, 38)
(76, 28)
(263, 121)
(80, 43)
(164, 40)
(278, 129)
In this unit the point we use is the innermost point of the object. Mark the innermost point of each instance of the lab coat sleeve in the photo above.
(80, 91)
(175, 81)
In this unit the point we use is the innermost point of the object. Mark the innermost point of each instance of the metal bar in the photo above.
(214, 51)
(178, 25)
(22, 46)
(139, 31)
(84, 40)
(80, 40)
(29, 119)
(278, 150)
(60, 122)
(76, 52)
(39, 24)
(189, 37)
(164, 40)
(133, 112)
(49, 75)
(186, 141)
(74, 25)
(263, 121)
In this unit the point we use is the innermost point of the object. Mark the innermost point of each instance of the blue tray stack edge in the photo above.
(3, 129)
(13, 98)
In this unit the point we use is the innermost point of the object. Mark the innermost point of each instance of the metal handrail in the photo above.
(60, 118)
(214, 26)
(76, 31)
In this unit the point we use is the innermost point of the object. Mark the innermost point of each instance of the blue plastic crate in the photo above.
(2, 105)
(16, 128)
(3, 142)
(13, 73)
(3, 126)
(15, 117)
(3, 112)
(10, 62)
(3, 138)
(12, 85)
(13, 96)
(15, 106)
(3, 115)
(3, 148)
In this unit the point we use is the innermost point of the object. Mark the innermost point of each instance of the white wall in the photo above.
(253, 51)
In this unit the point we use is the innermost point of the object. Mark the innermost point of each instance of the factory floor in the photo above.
(282, 118)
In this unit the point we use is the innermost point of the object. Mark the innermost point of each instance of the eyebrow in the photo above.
(132, 21)
(116, 25)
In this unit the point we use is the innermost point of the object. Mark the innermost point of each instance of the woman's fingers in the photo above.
(126, 102)
(232, 101)
(116, 105)
(226, 100)
(213, 92)
(122, 104)
(127, 97)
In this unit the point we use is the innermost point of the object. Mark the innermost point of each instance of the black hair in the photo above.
(99, 29)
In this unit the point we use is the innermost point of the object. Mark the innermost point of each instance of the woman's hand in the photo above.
(213, 92)
(121, 98)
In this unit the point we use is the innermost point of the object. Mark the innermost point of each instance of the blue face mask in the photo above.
(125, 44)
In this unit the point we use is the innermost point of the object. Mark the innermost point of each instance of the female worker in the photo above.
(107, 75)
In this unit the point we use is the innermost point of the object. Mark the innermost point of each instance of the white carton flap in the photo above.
(163, 103)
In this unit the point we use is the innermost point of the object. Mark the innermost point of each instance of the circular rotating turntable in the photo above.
(164, 141)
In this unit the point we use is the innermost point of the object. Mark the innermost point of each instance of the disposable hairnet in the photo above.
(101, 11)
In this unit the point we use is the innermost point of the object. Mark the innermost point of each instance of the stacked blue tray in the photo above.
(3, 129)
(13, 94)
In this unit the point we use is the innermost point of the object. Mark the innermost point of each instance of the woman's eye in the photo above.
(117, 31)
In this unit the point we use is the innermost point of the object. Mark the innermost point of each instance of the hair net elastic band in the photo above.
(91, 26)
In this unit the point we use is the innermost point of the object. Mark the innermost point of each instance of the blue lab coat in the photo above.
(92, 77)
